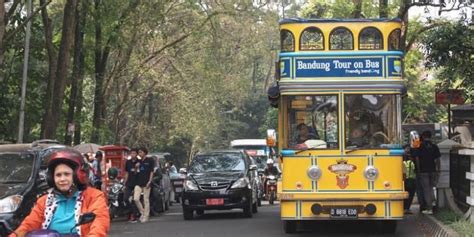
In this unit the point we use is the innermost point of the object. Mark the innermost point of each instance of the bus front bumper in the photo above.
(329, 206)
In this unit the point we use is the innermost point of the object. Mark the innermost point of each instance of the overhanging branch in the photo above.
(19, 27)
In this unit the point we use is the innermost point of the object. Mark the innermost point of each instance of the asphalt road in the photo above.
(264, 223)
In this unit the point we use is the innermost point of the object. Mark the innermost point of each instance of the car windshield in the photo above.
(217, 162)
(260, 161)
(15, 167)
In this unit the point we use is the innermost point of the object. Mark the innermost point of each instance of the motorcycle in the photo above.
(271, 188)
(85, 218)
(115, 196)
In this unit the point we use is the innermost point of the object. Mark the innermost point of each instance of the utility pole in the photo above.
(21, 122)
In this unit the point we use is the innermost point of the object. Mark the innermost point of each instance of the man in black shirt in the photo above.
(143, 184)
(132, 166)
(428, 167)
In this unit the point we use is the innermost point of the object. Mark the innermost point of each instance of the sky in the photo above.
(425, 12)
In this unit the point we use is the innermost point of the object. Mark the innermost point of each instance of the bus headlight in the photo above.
(371, 173)
(314, 172)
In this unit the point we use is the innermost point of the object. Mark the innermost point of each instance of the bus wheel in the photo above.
(289, 226)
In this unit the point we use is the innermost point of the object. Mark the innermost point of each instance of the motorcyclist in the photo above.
(271, 169)
(69, 197)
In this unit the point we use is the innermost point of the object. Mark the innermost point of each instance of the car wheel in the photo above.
(188, 214)
(248, 210)
(255, 207)
(289, 227)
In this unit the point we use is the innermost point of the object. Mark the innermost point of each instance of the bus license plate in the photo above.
(344, 212)
(214, 201)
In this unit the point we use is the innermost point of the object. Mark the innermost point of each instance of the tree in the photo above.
(57, 82)
(450, 49)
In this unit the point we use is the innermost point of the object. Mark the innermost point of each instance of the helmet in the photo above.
(73, 159)
(112, 173)
(269, 162)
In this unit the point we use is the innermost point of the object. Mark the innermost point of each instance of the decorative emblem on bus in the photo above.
(342, 169)
(214, 184)
(282, 68)
(397, 66)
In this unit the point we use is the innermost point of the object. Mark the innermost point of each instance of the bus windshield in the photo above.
(313, 121)
(371, 121)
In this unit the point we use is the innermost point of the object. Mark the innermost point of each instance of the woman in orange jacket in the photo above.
(70, 197)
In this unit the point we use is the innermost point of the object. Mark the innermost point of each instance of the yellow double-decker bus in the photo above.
(339, 124)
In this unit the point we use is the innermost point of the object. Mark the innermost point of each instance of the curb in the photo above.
(434, 227)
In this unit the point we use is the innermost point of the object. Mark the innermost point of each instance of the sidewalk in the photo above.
(431, 225)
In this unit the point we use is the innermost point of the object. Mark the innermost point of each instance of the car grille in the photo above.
(210, 186)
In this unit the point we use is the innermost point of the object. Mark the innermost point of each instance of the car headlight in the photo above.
(241, 183)
(371, 173)
(10, 203)
(189, 185)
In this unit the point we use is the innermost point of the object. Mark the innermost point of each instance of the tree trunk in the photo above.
(101, 56)
(383, 8)
(77, 74)
(51, 51)
(2, 35)
(357, 13)
(403, 14)
(63, 65)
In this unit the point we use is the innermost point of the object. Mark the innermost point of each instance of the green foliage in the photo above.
(456, 222)
(450, 49)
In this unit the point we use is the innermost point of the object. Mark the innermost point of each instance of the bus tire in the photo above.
(289, 227)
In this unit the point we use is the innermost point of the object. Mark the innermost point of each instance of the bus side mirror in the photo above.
(274, 96)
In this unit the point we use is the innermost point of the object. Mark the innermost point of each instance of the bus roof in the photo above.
(335, 20)
(248, 142)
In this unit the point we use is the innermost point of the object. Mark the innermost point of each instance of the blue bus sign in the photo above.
(340, 66)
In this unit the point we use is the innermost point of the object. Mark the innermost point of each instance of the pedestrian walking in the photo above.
(428, 167)
(132, 169)
(143, 184)
(410, 178)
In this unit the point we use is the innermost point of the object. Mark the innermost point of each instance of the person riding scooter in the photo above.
(69, 198)
(269, 170)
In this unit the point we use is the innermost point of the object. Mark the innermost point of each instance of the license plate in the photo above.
(344, 212)
(214, 201)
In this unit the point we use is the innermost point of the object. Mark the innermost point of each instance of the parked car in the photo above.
(220, 180)
(258, 179)
(161, 188)
(22, 180)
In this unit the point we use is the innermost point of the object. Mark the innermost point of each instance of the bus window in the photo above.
(287, 41)
(312, 39)
(313, 122)
(341, 39)
(370, 38)
(394, 40)
(370, 121)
